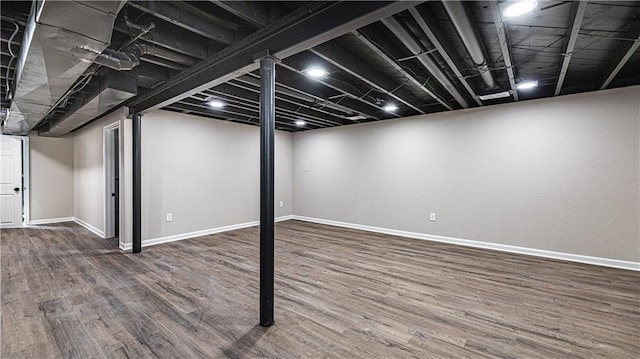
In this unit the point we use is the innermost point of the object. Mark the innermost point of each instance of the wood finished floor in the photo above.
(340, 294)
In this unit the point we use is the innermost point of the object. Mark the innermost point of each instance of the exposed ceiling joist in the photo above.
(220, 18)
(254, 80)
(153, 71)
(162, 52)
(373, 78)
(394, 64)
(411, 43)
(284, 111)
(504, 46)
(623, 53)
(252, 93)
(442, 51)
(186, 20)
(304, 99)
(163, 62)
(579, 9)
(292, 79)
(295, 87)
(290, 35)
(229, 109)
(173, 39)
(254, 13)
(208, 112)
(347, 91)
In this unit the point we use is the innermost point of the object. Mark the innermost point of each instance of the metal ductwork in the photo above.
(409, 41)
(106, 90)
(46, 69)
(469, 35)
(123, 60)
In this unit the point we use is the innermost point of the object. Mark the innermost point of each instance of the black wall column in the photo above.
(137, 183)
(267, 127)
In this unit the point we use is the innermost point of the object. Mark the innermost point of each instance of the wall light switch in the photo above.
(169, 217)
(432, 217)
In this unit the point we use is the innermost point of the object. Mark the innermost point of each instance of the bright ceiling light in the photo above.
(216, 104)
(316, 72)
(300, 123)
(494, 96)
(519, 8)
(525, 85)
(390, 108)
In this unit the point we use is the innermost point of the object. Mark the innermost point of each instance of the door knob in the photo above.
(17, 189)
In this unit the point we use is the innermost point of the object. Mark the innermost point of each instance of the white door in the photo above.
(10, 181)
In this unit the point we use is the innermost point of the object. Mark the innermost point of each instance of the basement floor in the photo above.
(340, 293)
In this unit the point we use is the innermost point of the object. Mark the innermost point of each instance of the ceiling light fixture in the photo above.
(526, 85)
(493, 96)
(216, 103)
(519, 8)
(316, 72)
(390, 107)
(300, 123)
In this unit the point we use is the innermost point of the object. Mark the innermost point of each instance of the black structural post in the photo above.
(137, 183)
(267, 128)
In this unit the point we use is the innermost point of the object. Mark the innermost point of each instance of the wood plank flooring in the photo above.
(340, 293)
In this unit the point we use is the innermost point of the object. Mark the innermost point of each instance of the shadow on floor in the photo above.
(246, 343)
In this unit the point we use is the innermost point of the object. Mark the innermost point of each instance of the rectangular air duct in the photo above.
(105, 91)
(46, 69)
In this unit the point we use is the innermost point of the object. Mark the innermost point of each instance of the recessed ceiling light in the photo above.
(216, 104)
(390, 107)
(300, 123)
(525, 85)
(316, 72)
(519, 8)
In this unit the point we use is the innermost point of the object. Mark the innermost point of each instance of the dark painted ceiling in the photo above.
(432, 57)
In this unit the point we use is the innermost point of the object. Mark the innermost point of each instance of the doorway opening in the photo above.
(112, 180)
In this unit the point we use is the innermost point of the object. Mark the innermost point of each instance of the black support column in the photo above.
(267, 128)
(137, 183)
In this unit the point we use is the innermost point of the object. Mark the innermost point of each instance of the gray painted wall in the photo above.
(88, 155)
(206, 173)
(558, 174)
(51, 177)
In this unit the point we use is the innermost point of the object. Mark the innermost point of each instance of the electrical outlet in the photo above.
(169, 217)
(432, 217)
(281, 204)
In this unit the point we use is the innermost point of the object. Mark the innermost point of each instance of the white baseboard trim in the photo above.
(605, 262)
(11, 226)
(124, 246)
(51, 220)
(204, 232)
(88, 226)
(283, 218)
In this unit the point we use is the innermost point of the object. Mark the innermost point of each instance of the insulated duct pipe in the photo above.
(471, 39)
(124, 60)
(412, 44)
